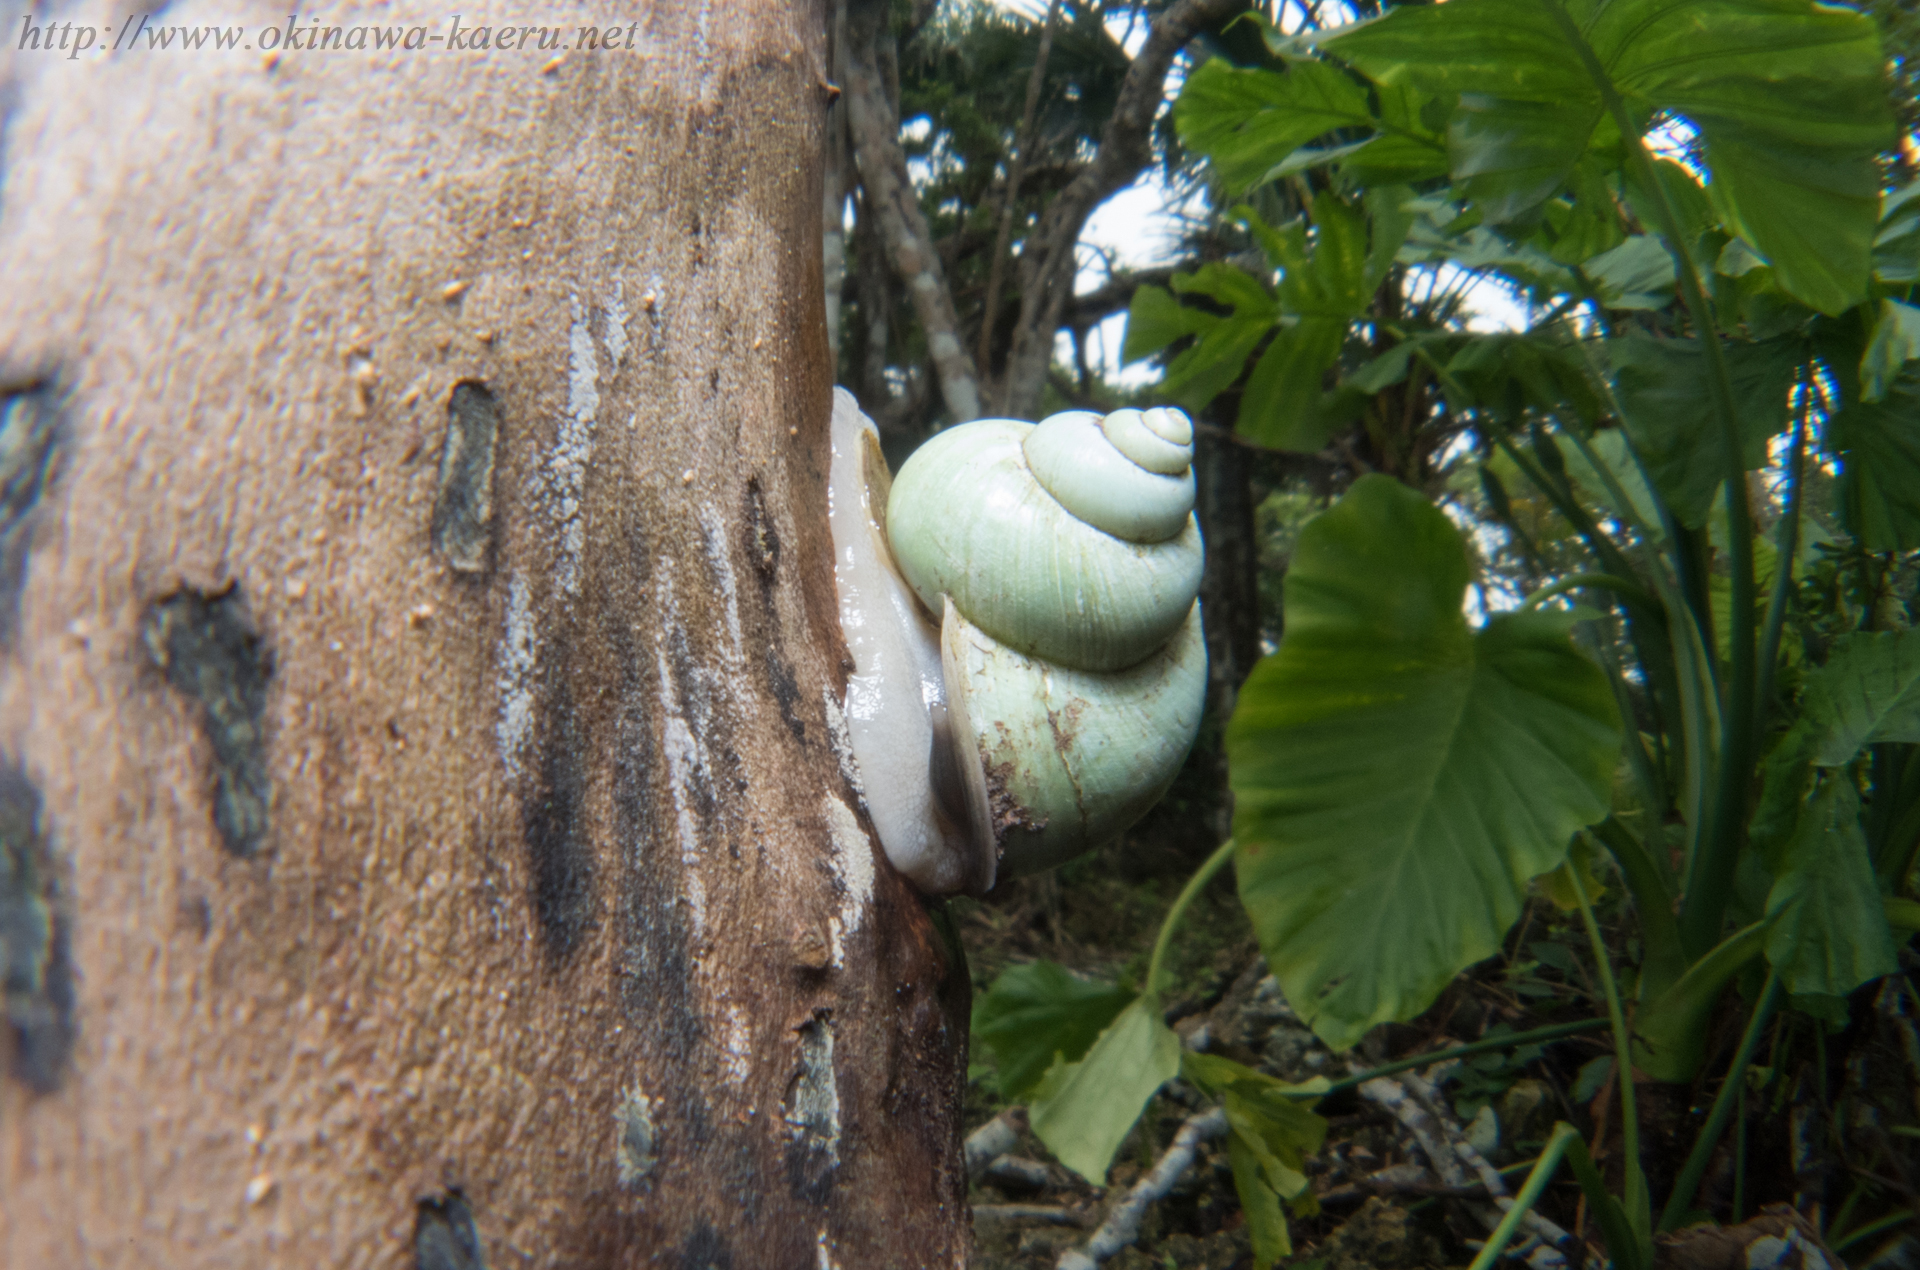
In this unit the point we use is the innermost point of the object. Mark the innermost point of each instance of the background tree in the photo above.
(421, 837)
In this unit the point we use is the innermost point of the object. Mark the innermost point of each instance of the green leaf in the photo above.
(1201, 372)
(1611, 447)
(1868, 691)
(1589, 224)
(1788, 96)
(1515, 154)
(1895, 342)
(1156, 319)
(1271, 1132)
(1663, 390)
(1389, 218)
(1383, 371)
(1266, 1224)
(1248, 121)
(1896, 245)
(1879, 445)
(1829, 932)
(1398, 776)
(1638, 274)
(1332, 279)
(1083, 1110)
(1037, 1013)
(1281, 408)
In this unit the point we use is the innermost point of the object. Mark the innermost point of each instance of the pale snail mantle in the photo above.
(1021, 607)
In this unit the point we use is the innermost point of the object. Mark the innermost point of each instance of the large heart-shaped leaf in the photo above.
(1664, 396)
(1879, 444)
(1788, 96)
(1868, 691)
(1399, 776)
(1829, 933)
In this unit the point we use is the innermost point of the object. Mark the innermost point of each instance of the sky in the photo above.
(1139, 228)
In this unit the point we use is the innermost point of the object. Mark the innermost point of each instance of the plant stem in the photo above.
(1523, 1202)
(1872, 1228)
(1195, 884)
(1512, 1041)
(1785, 548)
(1740, 1157)
(1710, 871)
(1662, 962)
(1603, 581)
(1637, 1202)
(1695, 1168)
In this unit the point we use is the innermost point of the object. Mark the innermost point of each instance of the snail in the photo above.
(1020, 603)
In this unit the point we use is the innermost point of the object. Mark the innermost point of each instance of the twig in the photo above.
(1415, 1103)
(1122, 1226)
(1014, 1170)
(1050, 1213)
(1393, 1096)
(994, 1139)
(996, 276)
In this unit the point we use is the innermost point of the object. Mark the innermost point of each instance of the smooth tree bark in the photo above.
(424, 833)
(874, 120)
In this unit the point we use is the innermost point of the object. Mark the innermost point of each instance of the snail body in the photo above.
(1051, 571)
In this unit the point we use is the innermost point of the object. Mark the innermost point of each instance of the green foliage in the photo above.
(1880, 488)
(1711, 673)
(1038, 1014)
(1665, 402)
(1829, 933)
(1787, 97)
(1398, 777)
(1270, 1133)
(1082, 1110)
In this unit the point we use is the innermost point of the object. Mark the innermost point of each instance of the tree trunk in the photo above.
(874, 122)
(422, 841)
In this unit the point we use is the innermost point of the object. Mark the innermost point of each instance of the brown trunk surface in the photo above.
(421, 832)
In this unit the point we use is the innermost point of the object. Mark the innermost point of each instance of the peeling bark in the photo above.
(1047, 264)
(559, 938)
(875, 126)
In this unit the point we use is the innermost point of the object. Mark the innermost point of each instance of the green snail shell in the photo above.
(1055, 539)
(1069, 759)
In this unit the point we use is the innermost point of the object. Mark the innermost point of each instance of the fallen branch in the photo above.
(994, 1139)
(1122, 1226)
(1416, 1104)
(1050, 1213)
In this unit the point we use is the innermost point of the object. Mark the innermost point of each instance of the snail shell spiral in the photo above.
(1053, 571)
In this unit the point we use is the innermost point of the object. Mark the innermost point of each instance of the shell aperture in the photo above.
(1069, 759)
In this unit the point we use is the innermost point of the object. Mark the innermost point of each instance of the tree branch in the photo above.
(883, 169)
(1047, 261)
(1122, 1226)
(997, 274)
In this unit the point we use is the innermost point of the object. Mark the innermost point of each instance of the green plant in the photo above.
(1711, 679)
